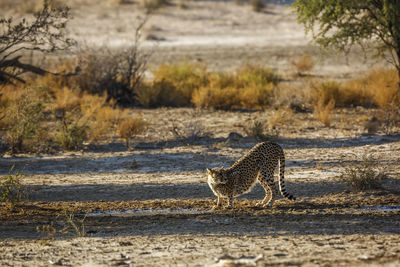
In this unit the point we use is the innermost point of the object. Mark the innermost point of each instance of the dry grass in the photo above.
(130, 127)
(303, 64)
(278, 117)
(256, 5)
(365, 175)
(322, 112)
(249, 87)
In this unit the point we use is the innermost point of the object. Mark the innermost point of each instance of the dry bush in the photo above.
(321, 93)
(383, 85)
(378, 88)
(322, 111)
(11, 189)
(130, 127)
(256, 5)
(249, 87)
(23, 114)
(257, 75)
(151, 5)
(364, 176)
(214, 96)
(172, 85)
(303, 65)
(256, 129)
(279, 116)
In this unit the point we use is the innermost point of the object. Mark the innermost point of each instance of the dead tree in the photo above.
(45, 33)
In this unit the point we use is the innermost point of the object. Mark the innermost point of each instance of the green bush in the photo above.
(11, 189)
(72, 135)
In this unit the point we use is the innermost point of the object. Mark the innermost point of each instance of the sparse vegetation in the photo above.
(12, 190)
(45, 34)
(303, 65)
(130, 127)
(249, 87)
(256, 5)
(256, 129)
(66, 224)
(364, 176)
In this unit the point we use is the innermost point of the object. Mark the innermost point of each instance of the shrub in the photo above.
(324, 92)
(279, 116)
(256, 129)
(12, 191)
(364, 176)
(257, 75)
(130, 127)
(249, 87)
(116, 72)
(303, 65)
(23, 117)
(323, 110)
(173, 84)
(151, 5)
(257, 5)
(72, 135)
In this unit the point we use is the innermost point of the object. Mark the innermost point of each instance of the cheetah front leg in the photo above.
(219, 203)
(230, 202)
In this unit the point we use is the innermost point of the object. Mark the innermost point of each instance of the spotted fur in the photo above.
(257, 165)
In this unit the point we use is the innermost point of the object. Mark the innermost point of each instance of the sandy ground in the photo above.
(151, 205)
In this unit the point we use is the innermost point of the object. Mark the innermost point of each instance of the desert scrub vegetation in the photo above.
(249, 87)
(187, 84)
(11, 189)
(23, 113)
(378, 89)
(365, 175)
(130, 127)
(39, 118)
(303, 64)
(172, 84)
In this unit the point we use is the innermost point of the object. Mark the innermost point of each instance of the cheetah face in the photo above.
(217, 175)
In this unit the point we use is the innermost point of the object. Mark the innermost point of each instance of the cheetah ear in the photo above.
(209, 171)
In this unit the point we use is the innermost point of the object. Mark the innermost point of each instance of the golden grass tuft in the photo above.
(249, 87)
(303, 64)
(322, 111)
(130, 127)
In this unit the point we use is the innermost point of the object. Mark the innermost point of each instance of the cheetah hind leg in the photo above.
(266, 179)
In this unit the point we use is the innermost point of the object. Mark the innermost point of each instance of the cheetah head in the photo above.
(218, 175)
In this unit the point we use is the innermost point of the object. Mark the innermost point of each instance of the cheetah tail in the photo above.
(282, 179)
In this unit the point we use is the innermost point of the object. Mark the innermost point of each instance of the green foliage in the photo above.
(341, 24)
(364, 176)
(72, 135)
(11, 189)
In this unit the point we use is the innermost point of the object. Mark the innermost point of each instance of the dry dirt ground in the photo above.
(151, 205)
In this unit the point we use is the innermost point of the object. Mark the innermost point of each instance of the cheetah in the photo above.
(257, 165)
